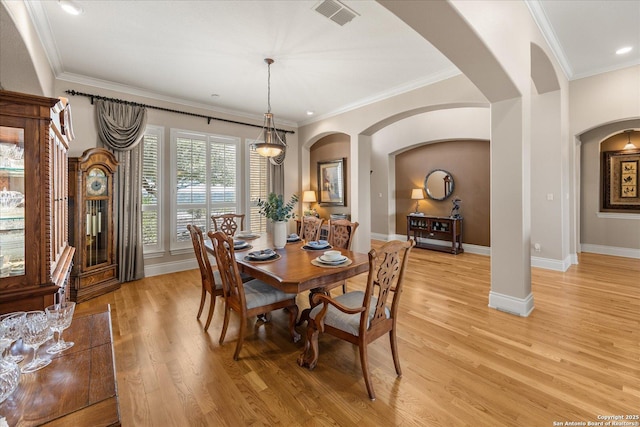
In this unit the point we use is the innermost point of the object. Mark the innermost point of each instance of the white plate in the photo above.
(261, 255)
(333, 262)
(239, 244)
(316, 245)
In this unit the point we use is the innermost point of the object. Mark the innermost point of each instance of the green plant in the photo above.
(275, 209)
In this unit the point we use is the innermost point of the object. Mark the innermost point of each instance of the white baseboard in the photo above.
(551, 264)
(170, 267)
(610, 250)
(518, 306)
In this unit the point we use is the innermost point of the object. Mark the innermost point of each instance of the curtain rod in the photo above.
(169, 110)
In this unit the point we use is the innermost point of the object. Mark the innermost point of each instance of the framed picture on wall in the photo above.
(620, 180)
(331, 183)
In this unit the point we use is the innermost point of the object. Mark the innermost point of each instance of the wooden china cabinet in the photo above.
(35, 255)
(95, 270)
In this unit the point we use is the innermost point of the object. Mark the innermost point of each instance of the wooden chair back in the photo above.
(232, 283)
(341, 232)
(228, 223)
(209, 285)
(206, 272)
(310, 228)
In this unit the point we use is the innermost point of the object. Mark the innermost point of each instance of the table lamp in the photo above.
(309, 197)
(417, 194)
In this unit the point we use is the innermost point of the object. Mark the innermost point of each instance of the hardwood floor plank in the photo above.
(577, 356)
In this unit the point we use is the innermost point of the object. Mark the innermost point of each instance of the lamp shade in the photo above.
(417, 194)
(309, 196)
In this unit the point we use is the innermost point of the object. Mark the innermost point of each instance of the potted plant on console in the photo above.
(279, 212)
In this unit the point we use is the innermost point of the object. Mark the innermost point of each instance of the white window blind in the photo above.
(258, 187)
(152, 144)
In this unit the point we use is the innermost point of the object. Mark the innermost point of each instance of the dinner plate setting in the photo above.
(246, 235)
(263, 255)
(317, 245)
(292, 238)
(333, 261)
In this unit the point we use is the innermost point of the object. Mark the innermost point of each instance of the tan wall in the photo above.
(469, 164)
(330, 147)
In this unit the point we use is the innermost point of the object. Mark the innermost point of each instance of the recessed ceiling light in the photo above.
(624, 50)
(71, 7)
(310, 113)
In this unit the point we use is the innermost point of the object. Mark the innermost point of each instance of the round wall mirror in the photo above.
(438, 184)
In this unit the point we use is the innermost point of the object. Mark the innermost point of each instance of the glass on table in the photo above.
(60, 317)
(13, 323)
(9, 371)
(35, 332)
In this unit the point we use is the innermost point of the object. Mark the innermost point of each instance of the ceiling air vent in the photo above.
(336, 11)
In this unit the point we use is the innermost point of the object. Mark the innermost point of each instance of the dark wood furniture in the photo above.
(228, 223)
(211, 283)
(341, 232)
(371, 317)
(78, 388)
(35, 133)
(293, 272)
(248, 299)
(95, 271)
(436, 228)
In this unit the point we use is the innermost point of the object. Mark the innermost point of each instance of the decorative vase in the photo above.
(279, 234)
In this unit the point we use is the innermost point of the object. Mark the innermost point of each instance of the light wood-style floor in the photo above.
(575, 358)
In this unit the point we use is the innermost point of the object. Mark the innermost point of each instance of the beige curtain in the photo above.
(121, 128)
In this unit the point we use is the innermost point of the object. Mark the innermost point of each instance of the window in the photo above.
(258, 188)
(151, 189)
(205, 174)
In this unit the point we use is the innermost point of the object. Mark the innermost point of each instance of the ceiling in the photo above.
(211, 53)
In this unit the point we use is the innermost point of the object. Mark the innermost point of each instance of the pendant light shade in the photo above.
(272, 144)
(629, 145)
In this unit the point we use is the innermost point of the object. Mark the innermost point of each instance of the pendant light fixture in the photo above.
(272, 144)
(629, 145)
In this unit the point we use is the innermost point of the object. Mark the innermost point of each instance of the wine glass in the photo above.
(35, 332)
(13, 323)
(60, 316)
(9, 371)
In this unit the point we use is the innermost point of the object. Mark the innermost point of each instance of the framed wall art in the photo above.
(620, 180)
(331, 183)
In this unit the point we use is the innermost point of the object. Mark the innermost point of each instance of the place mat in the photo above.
(262, 261)
(310, 248)
(319, 264)
(242, 249)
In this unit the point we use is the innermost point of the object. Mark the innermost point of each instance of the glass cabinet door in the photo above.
(12, 202)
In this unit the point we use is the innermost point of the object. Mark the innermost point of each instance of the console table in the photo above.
(436, 228)
(78, 388)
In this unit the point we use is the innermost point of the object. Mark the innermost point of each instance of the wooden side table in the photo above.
(78, 388)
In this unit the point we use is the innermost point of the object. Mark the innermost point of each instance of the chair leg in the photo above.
(225, 323)
(344, 287)
(364, 361)
(243, 326)
(202, 298)
(394, 351)
(309, 356)
(293, 315)
(212, 308)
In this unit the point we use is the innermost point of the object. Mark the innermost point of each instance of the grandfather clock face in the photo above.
(97, 217)
(97, 183)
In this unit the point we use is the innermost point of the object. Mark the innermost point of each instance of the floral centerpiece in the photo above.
(275, 209)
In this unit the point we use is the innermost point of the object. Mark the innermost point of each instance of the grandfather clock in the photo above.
(91, 225)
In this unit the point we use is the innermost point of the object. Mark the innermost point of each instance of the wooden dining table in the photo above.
(293, 271)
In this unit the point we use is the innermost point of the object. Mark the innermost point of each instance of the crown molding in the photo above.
(541, 20)
(43, 30)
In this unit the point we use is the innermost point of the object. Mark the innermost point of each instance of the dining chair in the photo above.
(228, 223)
(362, 317)
(211, 280)
(248, 299)
(341, 232)
(310, 228)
